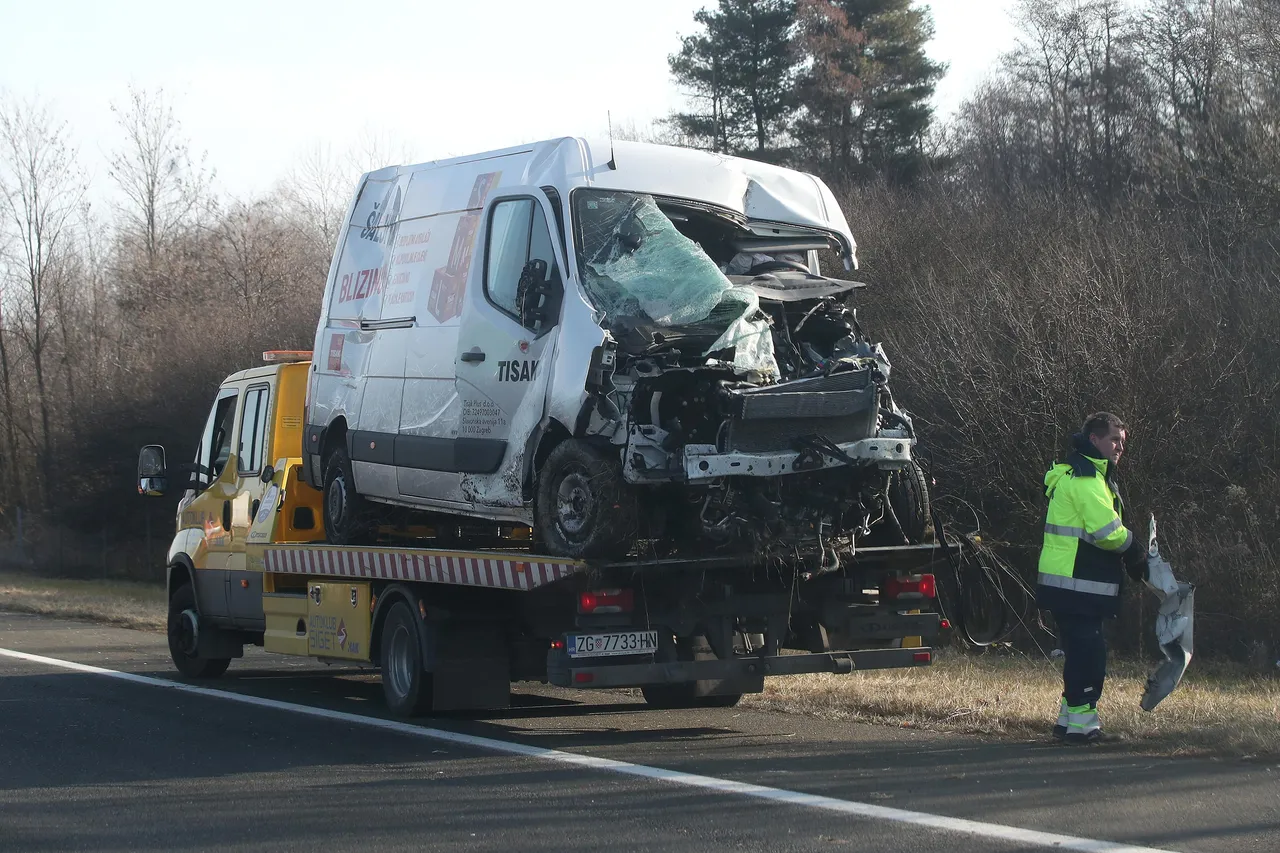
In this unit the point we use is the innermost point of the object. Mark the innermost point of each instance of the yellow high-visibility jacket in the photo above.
(1081, 562)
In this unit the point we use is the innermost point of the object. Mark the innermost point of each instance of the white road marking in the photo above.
(1013, 834)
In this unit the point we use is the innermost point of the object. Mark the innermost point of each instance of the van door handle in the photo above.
(473, 355)
(226, 515)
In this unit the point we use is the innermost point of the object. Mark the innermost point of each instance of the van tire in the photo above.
(909, 498)
(347, 518)
(405, 686)
(183, 631)
(583, 507)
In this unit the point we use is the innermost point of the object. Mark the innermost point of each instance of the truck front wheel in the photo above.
(405, 685)
(184, 638)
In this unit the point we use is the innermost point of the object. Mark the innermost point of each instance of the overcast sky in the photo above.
(256, 84)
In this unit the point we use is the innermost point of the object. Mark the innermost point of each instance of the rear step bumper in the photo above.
(641, 674)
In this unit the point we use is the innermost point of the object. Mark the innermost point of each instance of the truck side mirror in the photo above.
(152, 473)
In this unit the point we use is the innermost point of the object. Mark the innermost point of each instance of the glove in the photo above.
(1135, 561)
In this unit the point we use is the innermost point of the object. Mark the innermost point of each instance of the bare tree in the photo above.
(10, 477)
(164, 187)
(41, 188)
(315, 195)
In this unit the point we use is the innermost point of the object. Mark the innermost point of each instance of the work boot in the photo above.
(1060, 727)
(1084, 725)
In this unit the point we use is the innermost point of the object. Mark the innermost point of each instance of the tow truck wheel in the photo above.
(685, 694)
(184, 635)
(346, 516)
(404, 684)
(583, 508)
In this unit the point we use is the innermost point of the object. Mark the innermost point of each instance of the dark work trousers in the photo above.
(1086, 665)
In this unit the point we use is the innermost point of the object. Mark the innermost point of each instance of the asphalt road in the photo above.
(96, 763)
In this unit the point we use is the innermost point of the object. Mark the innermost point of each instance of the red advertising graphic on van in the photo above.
(450, 281)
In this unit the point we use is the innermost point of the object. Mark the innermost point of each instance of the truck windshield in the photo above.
(637, 268)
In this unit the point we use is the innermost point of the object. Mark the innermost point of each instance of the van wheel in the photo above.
(405, 686)
(583, 508)
(346, 514)
(909, 498)
(184, 634)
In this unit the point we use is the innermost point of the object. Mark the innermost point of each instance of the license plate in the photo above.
(603, 645)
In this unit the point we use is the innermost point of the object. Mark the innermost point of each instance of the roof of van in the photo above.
(759, 191)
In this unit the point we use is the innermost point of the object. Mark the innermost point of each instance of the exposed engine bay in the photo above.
(742, 395)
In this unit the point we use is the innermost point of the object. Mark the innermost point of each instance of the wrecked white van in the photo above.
(622, 346)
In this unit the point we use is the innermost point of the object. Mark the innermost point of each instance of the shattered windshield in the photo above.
(638, 268)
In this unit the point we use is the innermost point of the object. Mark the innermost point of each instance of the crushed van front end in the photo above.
(743, 399)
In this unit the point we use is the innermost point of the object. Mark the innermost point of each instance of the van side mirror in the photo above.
(153, 476)
(537, 296)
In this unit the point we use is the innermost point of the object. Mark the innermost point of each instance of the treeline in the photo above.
(115, 324)
(1096, 228)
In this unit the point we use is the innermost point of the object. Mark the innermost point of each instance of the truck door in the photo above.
(206, 507)
(244, 589)
(506, 339)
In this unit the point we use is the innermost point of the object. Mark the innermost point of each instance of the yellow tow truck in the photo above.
(452, 627)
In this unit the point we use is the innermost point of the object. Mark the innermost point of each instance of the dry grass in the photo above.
(1216, 710)
(124, 603)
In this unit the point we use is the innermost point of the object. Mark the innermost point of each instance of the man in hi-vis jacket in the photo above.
(1087, 550)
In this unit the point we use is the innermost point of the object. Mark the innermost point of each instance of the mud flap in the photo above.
(1174, 624)
(471, 668)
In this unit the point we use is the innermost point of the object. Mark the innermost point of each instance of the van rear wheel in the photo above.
(347, 519)
(583, 508)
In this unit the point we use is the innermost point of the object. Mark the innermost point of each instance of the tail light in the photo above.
(606, 601)
(913, 586)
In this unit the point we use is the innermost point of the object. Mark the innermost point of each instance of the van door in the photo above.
(505, 342)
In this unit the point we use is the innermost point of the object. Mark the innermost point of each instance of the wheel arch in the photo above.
(330, 436)
(544, 439)
(180, 572)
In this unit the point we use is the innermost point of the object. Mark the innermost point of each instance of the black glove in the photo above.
(1135, 561)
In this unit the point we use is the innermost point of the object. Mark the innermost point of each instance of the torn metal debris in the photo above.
(1174, 624)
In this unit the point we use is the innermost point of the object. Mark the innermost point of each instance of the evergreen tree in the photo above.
(866, 86)
(740, 71)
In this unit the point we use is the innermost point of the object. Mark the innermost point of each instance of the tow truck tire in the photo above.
(685, 694)
(405, 685)
(184, 621)
(346, 513)
(583, 507)
(909, 497)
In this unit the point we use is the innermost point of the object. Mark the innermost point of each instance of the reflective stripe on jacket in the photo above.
(1081, 568)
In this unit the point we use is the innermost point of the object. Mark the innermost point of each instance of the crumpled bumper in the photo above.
(1175, 622)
